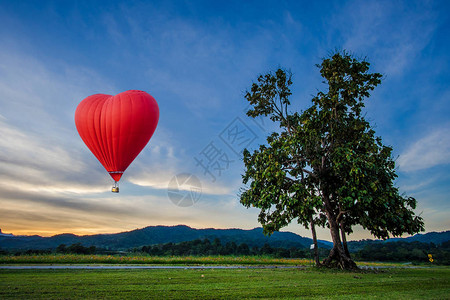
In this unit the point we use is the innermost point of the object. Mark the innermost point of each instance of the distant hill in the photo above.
(432, 237)
(153, 235)
(4, 234)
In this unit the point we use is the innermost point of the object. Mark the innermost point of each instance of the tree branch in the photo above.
(340, 215)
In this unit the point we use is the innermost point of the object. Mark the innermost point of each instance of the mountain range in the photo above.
(153, 235)
(436, 238)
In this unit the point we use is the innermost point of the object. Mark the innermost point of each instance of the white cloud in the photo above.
(429, 151)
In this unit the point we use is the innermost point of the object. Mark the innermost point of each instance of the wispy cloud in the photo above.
(160, 179)
(29, 162)
(45, 213)
(427, 152)
(40, 148)
(199, 63)
(162, 163)
(394, 33)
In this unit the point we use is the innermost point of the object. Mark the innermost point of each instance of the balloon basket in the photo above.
(115, 188)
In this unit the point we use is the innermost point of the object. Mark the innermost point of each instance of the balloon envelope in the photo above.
(117, 128)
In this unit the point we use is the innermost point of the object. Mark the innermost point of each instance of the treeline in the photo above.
(77, 248)
(415, 252)
(25, 252)
(206, 248)
(406, 252)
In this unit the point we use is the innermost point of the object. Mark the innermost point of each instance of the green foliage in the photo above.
(416, 252)
(326, 162)
(76, 248)
(206, 248)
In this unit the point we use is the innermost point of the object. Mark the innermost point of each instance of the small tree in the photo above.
(61, 248)
(325, 167)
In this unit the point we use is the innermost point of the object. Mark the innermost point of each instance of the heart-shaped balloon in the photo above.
(117, 128)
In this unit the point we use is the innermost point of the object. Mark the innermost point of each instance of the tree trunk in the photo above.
(337, 256)
(316, 249)
(344, 240)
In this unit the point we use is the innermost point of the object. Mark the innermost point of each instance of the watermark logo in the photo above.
(237, 136)
(213, 160)
(216, 158)
(184, 189)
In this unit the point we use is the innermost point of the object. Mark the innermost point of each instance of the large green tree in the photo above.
(325, 166)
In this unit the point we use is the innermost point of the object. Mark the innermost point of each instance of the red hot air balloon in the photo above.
(116, 128)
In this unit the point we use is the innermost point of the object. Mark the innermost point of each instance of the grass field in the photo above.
(158, 260)
(424, 283)
(145, 259)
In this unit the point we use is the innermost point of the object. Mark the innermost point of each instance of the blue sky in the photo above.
(197, 58)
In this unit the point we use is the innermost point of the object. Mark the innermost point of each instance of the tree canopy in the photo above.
(325, 166)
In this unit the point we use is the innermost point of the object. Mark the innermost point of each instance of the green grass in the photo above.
(429, 283)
